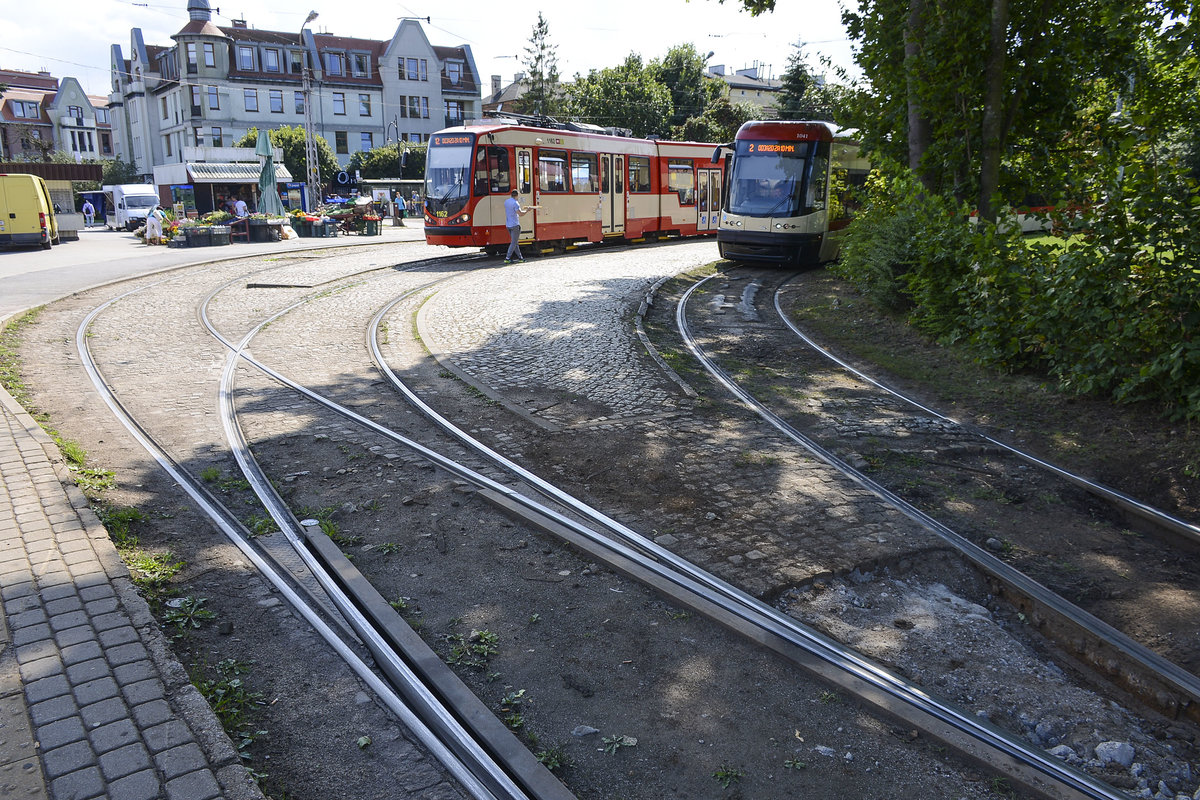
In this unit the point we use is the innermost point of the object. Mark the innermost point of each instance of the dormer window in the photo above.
(271, 60)
(454, 72)
(335, 63)
(245, 58)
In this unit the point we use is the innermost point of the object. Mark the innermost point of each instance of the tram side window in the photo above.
(639, 174)
(491, 171)
(584, 175)
(481, 173)
(845, 188)
(817, 189)
(524, 176)
(552, 170)
(681, 178)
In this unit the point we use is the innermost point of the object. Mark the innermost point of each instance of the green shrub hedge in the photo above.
(1112, 310)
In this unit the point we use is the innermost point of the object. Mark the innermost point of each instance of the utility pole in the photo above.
(313, 176)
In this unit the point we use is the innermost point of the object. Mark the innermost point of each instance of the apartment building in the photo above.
(40, 114)
(752, 85)
(214, 83)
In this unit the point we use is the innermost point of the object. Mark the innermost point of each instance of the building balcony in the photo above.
(454, 120)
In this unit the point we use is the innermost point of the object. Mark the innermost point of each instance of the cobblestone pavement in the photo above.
(110, 713)
(562, 350)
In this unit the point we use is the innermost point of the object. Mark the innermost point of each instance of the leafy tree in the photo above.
(43, 148)
(628, 96)
(117, 172)
(291, 140)
(954, 123)
(384, 162)
(682, 71)
(806, 96)
(719, 122)
(541, 59)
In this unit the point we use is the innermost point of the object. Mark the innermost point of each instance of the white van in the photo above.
(128, 204)
(26, 211)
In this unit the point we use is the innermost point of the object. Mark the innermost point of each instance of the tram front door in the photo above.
(708, 199)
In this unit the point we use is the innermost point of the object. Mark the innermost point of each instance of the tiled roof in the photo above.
(200, 27)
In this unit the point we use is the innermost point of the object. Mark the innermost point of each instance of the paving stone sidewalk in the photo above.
(92, 703)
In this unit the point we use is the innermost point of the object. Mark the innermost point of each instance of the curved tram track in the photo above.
(738, 349)
(470, 755)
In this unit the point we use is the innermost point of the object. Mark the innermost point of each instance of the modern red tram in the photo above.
(588, 186)
(788, 192)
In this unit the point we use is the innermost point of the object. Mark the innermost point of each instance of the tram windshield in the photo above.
(447, 172)
(778, 179)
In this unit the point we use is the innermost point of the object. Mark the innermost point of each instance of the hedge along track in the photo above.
(1154, 679)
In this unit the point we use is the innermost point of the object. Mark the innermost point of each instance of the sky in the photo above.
(73, 37)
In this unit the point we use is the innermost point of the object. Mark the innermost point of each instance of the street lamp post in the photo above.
(395, 123)
(313, 173)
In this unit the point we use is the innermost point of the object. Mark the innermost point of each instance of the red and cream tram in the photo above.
(788, 192)
(587, 186)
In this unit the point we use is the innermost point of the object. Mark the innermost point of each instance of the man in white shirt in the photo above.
(239, 209)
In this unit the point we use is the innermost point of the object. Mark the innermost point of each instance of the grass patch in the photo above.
(472, 650)
(10, 361)
(233, 702)
(152, 573)
(119, 520)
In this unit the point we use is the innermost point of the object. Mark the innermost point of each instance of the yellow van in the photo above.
(26, 211)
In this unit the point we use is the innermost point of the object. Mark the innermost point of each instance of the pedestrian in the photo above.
(239, 209)
(154, 221)
(513, 211)
(89, 213)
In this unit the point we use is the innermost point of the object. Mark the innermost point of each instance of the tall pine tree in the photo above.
(541, 59)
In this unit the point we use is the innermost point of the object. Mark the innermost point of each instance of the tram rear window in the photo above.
(639, 174)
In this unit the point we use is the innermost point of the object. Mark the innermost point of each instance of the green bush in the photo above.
(1115, 311)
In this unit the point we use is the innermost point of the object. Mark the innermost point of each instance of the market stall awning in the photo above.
(210, 172)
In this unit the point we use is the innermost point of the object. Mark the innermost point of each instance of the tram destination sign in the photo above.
(453, 139)
(772, 148)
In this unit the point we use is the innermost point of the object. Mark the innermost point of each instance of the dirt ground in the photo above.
(585, 657)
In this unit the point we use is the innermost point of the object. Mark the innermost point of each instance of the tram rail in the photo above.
(1156, 680)
(624, 550)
